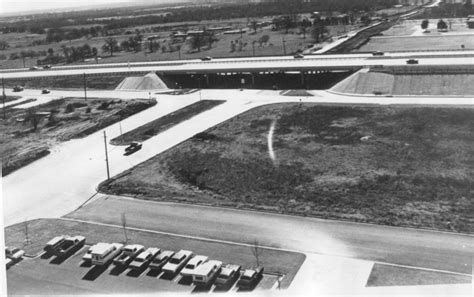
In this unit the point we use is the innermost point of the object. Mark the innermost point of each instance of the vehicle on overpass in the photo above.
(412, 61)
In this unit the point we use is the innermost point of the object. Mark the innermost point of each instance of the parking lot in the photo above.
(46, 275)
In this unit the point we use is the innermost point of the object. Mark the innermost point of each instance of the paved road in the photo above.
(412, 247)
(315, 62)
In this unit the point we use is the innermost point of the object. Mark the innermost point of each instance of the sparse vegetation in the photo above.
(398, 166)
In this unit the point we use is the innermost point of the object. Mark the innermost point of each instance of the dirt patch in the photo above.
(27, 134)
(151, 129)
(386, 275)
(400, 166)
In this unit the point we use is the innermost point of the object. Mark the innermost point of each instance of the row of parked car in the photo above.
(199, 268)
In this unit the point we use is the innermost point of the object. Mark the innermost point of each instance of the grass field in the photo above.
(58, 120)
(153, 128)
(385, 275)
(445, 42)
(414, 168)
(41, 231)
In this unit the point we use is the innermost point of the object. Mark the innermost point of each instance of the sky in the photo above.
(9, 6)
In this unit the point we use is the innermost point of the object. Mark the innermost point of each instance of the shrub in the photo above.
(69, 108)
(88, 110)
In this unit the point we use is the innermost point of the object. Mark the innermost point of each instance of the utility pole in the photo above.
(106, 156)
(284, 47)
(85, 86)
(3, 96)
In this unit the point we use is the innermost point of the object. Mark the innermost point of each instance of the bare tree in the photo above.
(256, 251)
(124, 225)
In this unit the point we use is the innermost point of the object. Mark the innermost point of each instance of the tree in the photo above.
(442, 26)
(124, 226)
(263, 39)
(253, 24)
(50, 51)
(33, 118)
(424, 24)
(110, 45)
(256, 251)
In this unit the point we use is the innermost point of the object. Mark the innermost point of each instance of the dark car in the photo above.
(45, 91)
(35, 68)
(17, 89)
(47, 67)
(206, 58)
(250, 278)
(378, 53)
(133, 147)
(70, 245)
(298, 56)
(228, 274)
(412, 61)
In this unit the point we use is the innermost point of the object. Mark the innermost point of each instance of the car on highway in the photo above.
(378, 53)
(412, 61)
(159, 261)
(228, 275)
(102, 253)
(206, 273)
(12, 256)
(70, 245)
(144, 258)
(206, 58)
(298, 56)
(129, 253)
(47, 67)
(192, 265)
(45, 91)
(17, 89)
(35, 68)
(52, 245)
(177, 261)
(250, 278)
(133, 147)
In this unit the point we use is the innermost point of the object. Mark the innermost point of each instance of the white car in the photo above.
(192, 265)
(177, 261)
(144, 258)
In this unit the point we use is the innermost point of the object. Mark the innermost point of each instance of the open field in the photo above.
(409, 43)
(385, 275)
(57, 120)
(155, 127)
(78, 277)
(401, 166)
(409, 27)
(99, 82)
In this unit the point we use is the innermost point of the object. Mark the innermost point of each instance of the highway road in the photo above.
(260, 64)
(404, 246)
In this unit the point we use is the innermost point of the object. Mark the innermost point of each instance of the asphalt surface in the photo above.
(405, 246)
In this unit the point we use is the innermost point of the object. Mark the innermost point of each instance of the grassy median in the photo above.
(393, 165)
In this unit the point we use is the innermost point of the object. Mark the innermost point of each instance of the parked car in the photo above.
(177, 261)
(228, 275)
(17, 89)
(13, 255)
(45, 91)
(70, 245)
(412, 61)
(378, 53)
(206, 58)
(192, 265)
(298, 56)
(103, 253)
(206, 273)
(159, 261)
(54, 244)
(88, 255)
(144, 258)
(129, 253)
(250, 278)
(133, 147)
